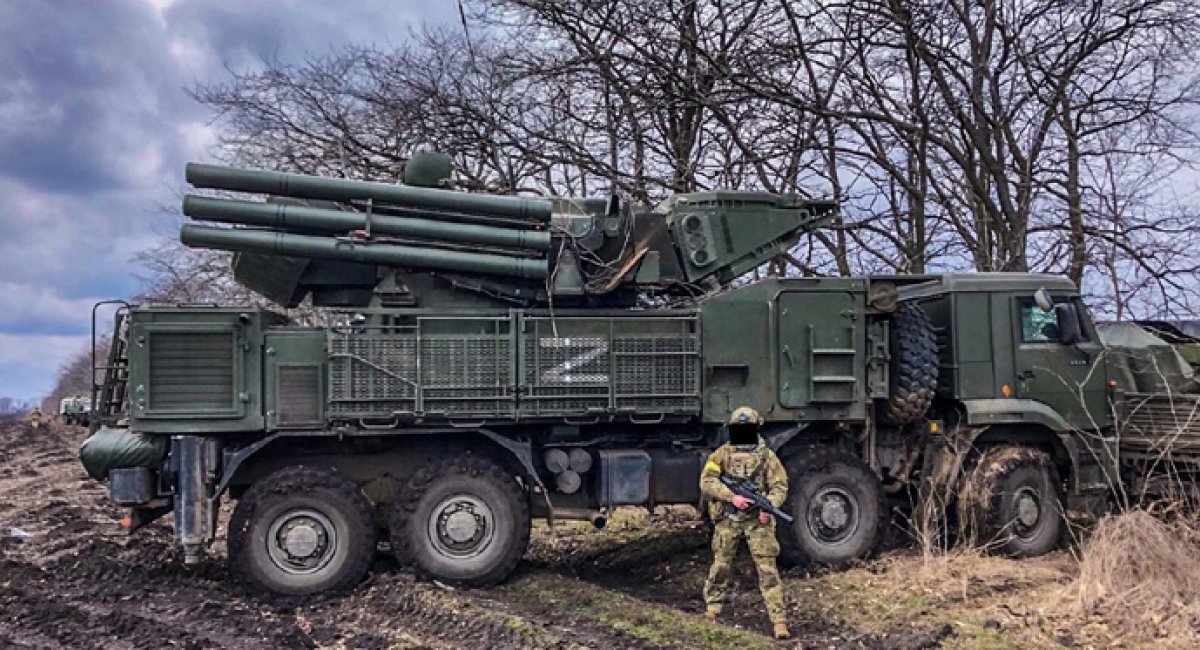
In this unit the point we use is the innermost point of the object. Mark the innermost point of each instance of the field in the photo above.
(69, 577)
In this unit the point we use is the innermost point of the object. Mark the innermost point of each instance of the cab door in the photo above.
(1070, 378)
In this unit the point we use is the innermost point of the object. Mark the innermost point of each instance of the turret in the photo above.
(355, 243)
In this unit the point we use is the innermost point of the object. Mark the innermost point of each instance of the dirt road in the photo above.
(69, 577)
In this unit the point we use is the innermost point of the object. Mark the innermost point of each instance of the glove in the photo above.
(740, 502)
(764, 517)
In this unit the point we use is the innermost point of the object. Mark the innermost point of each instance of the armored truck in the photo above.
(66, 410)
(75, 409)
(482, 360)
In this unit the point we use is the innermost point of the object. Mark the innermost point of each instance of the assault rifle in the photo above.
(747, 489)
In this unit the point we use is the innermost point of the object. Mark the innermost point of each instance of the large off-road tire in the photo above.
(461, 520)
(914, 365)
(840, 508)
(302, 530)
(1010, 503)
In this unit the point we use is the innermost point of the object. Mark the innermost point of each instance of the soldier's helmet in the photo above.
(744, 423)
(745, 416)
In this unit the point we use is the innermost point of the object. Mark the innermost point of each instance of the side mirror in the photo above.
(1043, 300)
(1069, 332)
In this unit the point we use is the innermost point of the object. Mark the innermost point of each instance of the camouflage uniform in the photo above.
(762, 466)
(35, 418)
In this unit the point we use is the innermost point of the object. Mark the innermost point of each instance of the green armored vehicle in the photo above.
(75, 409)
(66, 410)
(488, 359)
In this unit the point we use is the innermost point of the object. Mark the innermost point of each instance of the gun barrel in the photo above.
(299, 217)
(340, 189)
(413, 257)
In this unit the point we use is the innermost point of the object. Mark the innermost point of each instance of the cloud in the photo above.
(96, 125)
(29, 363)
(33, 309)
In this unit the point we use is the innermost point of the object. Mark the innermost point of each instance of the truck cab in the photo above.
(1017, 348)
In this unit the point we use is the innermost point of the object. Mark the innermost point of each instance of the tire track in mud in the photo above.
(78, 581)
(75, 581)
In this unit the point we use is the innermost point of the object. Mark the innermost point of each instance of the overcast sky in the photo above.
(95, 128)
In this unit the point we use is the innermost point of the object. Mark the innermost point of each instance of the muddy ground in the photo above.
(69, 577)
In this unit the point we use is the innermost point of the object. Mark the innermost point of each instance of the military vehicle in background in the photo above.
(66, 409)
(489, 359)
(75, 409)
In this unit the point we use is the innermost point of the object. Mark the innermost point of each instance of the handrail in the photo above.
(93, 418)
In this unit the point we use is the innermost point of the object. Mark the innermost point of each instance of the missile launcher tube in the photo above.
(341, 189)
(296, 217)
(330, 248)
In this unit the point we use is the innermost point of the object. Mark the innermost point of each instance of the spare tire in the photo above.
(914, 365)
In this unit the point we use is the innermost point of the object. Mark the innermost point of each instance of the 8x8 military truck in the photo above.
(489, 359)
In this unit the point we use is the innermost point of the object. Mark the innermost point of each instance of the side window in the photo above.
(1039, 326)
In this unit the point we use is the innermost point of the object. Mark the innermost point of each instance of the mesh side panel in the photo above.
(191, 371)
(378, 375)
(466, 376)
(637, 365)
(657, 373)
(646, 372)
(372, 375)
(565, 375)
(299, 397)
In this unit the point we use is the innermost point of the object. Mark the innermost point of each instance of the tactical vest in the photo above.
(751, 464)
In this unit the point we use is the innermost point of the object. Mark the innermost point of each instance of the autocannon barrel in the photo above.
(414, 257)
(341, 189)
(293, 217)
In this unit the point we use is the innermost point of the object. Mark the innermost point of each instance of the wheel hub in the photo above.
(1028, 509)
(461, 526)
(833, 515)
(301, 541)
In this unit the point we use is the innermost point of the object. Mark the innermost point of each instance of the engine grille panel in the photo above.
(192, 371)
(299, 395)
(1160, 426)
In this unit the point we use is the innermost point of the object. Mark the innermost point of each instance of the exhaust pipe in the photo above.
(594, 517)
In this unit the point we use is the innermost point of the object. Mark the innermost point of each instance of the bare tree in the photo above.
(966, 134)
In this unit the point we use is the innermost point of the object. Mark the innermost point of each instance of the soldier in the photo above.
(35, 417)
(744, 456)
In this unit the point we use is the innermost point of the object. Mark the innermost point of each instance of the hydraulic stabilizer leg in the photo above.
(195, 461)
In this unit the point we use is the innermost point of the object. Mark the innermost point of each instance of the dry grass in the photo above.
(1141, 575)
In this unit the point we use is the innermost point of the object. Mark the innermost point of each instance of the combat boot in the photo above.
(782, 632)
